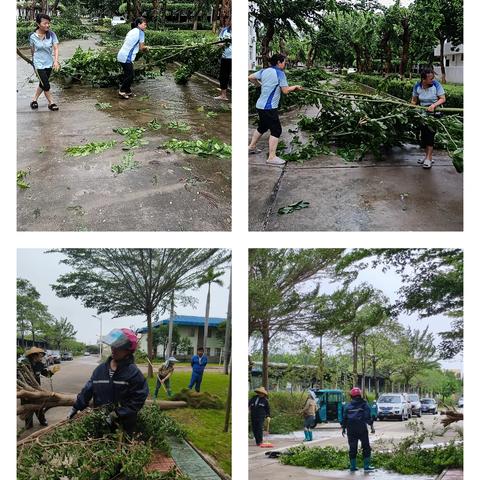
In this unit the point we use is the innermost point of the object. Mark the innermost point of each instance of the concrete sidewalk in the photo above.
(395, 194)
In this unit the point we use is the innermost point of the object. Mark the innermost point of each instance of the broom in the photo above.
(267, 444)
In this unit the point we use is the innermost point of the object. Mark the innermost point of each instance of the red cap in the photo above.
(355, 392)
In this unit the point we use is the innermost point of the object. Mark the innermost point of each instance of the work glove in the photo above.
(55, 369)
(71, 413)
(112, 418)
(343, 432)
(372, 430)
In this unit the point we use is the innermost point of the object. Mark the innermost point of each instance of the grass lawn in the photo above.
(204, 426)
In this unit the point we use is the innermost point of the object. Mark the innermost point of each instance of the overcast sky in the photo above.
(390, 282)
(403, 3)
(43, 269)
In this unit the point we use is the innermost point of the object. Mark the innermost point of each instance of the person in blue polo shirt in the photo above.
(199, 362)
(226, 61)
(273, 82)
(428, 92)
(133, 43)
(44, 47)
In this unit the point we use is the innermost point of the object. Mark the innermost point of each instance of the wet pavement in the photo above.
(395, 194)
(167, 192)
(387, 432)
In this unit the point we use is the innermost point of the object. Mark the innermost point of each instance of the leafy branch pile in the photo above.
(86, 449)
(360, 124)
(416, 460)
(89, 148)
(203, 148)
(199, 399)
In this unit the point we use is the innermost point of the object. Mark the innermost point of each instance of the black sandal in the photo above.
(33, 104)
(53, 107)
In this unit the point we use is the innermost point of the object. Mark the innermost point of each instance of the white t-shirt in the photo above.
(131, 45)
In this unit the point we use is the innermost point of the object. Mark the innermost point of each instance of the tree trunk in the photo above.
(164, 13)
(55, 7)
(374, 366)
(358, 56)
(364, 365)
(44, 6)
(385, 44)
(226, 350)
(320, 369)
(129, 9)
(312, 51)
(155, 12)
(266, 44)
(405, 47)
(265, 344)
(138, 8)
(150, 343)
(228, 408)
(32, 9)
(225, 12)
(355, 360)
(215, 15)
(442, 60)
(207, 314)
(170, 326)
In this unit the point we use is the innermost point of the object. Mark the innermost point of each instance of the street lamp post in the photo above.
(100, 338)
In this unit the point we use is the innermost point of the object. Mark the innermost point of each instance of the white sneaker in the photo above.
(427, 163)
(276, 161)
(421, 160)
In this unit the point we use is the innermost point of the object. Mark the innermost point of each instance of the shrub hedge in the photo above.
(403, 88)
(64, 31)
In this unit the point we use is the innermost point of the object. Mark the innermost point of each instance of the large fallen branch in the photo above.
(451, 416)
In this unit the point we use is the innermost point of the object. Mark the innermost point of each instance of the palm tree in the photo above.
(210, 276)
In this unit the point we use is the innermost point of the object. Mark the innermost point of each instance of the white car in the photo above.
(393, 405)
(460, 402)
(118, 21)
(351, 70)
(86, 354)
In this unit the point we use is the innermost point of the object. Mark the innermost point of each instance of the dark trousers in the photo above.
(167, 386)
(257, 428)
(427, 136)
(354, 436)
(225, 72)
(44, 75)
(127, 79)
(269, 120)
(196, 380)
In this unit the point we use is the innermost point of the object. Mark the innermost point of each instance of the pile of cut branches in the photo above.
(86, 448)
(199, 399)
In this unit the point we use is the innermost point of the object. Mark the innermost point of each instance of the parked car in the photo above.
(67, 356)
(351, 70)
(415, 405)
(57, 356)
(48, 358)
(460, 402)
(429, 405)
(118, 21)
(86, 354)
(392, 405)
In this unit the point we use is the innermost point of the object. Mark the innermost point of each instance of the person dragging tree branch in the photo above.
(117, 383)
(273, 83)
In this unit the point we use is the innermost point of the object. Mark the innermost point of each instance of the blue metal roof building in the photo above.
(186, 321)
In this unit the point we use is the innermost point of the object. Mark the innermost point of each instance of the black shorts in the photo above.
(427, 136)
(44, 75)
(269, 120)
(225, 72)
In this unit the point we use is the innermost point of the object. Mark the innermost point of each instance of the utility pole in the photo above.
(100, 338)
(228, 346)
(170, 326)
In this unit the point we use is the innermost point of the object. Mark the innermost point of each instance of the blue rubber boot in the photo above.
(305, 432)
(310, 434)
(366, 465)
(353, 465)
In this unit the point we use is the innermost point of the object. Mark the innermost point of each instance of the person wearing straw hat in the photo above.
(117, 383)
(309, 412)
(259, 411)
(163, 376)
(34, 360)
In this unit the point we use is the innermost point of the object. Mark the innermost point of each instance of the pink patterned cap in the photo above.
(122, 338)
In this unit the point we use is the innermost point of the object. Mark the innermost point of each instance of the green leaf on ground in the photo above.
(89, 148)
(212, 114)
(127, 163)
(293, 206)
(103, 106)
(211, 147)
(21, 182)
(180, 126)
(154, 124)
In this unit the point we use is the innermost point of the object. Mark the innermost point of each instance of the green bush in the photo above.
(63, 29)
(429, 461)
(286, 411)
(393, 85)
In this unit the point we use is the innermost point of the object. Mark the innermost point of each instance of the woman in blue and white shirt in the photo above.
(44, 47)
(429, 93)
(133, 43)
(226, 61)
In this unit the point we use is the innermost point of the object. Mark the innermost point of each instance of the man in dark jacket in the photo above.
(199, 362)
(259, 411)
(117, 383)
(356, 417)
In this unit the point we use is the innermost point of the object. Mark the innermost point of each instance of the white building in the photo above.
(453, 60)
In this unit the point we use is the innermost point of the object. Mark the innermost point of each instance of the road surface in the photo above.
(263, 468)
